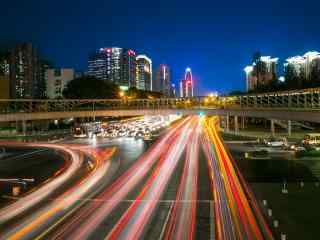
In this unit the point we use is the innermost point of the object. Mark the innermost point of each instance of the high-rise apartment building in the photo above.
(173, 90)
(24, 72)
(114, 64)
(302, 68)
(144, 73)
(251, 80)
(186, 85)
(163, 80)
(261, 73)
(4, 75)
(57, 80)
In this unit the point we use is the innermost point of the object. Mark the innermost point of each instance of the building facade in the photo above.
(186, 85)
(4, 75)
(251, 80)
(57, 80)
(163, 80)
(265, 70)
(261, 73)
(144, 73)
(114, 64)
(300, 70)
(24, 72)
(128, 69)
(99, 64)
(173, 90)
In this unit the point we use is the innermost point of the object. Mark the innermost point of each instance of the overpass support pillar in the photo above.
(243, 119)
(289, 128)
(236, 124)
(24, 127)
(272, 127)
(227, 126)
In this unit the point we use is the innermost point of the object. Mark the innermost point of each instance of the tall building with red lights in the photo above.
(128, 69)
(114, 64)
(186, 85)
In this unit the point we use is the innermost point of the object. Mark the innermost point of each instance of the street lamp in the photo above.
(121, 94)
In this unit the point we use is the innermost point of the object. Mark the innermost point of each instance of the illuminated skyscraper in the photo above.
(251, 80)
(186, 85)
(303, 71)
(128, 69)
(114, 64)
(266, 70)
(163, 80)
(144, 73)
(261, 73)
(103, 65)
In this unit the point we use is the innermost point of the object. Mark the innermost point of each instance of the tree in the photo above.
(90, 87)
(236, 93)
(138, 93)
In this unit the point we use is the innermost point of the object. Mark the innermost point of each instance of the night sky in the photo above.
(215, 38)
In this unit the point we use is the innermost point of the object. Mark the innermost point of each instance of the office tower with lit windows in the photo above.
(128, 69)
(100, 65)
(24, 72)
(144, 73)
(163, 80)
(114, 64)
(186, 85)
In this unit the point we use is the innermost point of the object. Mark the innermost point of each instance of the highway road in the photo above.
(183, 185)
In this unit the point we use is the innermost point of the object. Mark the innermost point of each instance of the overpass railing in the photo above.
(296, 99)
(68, 105)
(308, 99)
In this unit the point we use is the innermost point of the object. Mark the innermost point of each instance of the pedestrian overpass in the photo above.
(299, 105)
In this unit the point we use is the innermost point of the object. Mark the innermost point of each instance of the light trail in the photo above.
(79, 211)
(85, 221)
(35, 222)
(132, 223)
(26, 202)
(246, 218)
(182, 220)
(224, 223)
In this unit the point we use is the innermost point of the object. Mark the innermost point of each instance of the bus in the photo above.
(311, 139)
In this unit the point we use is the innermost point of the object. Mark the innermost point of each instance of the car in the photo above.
(132, 133)
(122, 133)
(276, 142)
(297, 147)
(140, 134)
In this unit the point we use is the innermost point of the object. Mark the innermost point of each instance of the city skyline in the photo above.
(202, 37)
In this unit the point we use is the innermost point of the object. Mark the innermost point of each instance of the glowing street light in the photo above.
(121, 94)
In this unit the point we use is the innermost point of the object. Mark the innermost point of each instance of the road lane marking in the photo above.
(166, 221)
(212, 229)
